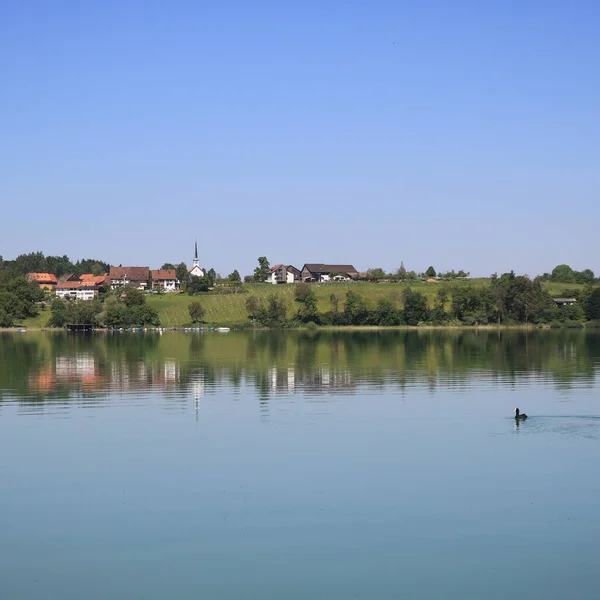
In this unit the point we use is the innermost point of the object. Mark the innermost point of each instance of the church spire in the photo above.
(196, 261)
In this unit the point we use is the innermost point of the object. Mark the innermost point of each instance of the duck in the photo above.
(519, 415)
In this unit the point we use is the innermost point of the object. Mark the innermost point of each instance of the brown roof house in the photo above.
(45, 281)
(129, 277)
(95, 279)
(165, 279)
(321, 272)
(283, 274)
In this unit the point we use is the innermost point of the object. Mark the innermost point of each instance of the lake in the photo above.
(300, 465)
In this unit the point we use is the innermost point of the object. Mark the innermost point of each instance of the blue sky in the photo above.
(460, 134)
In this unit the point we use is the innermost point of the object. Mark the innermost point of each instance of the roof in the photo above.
(564, 299)
(68, 277)
(76, 285)
(96, 279)
(42, 277)
(273, 269)
(164, 274)
(195, 267)
(130, 273)
(323, 268)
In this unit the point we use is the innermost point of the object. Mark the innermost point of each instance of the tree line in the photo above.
(507, 299)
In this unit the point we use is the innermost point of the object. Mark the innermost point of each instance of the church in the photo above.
(197, 270)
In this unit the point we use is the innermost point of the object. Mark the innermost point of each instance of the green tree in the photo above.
(586, 276)
(263, 270)
(274, 313)
(197, 284)
(563, 274)
(169, 267)
(387, 314)
(234, 277)
(376, 274)
(182, 273)
(415, 307)
(355, 309)
(196, 311)
(401, 274)
(592, 308)
(59, 314)
(211, 275)
(430, 273)
(252, 306)
(305, 296)
(133, 297)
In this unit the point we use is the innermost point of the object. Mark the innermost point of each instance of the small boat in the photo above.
(223, 329)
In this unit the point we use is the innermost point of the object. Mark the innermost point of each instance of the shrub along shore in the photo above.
(508, 300)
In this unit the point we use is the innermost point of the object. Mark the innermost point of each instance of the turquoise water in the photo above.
(298, 466)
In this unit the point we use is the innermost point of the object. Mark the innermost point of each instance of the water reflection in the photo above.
(39, 366)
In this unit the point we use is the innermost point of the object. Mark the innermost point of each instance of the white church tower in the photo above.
(197, 270)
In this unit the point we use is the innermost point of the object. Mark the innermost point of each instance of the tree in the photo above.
(97, 269)
(430, 273)
(263, 270)
(133, 297)
(355, 309)
(211, 276)
(415, 307)
(386, 314)
(376, 274)
(412, 276)
(182, 273)
(401, 273)
(234, 277)
(196, 312)
(307, 299)
(563, 274)
(252, 305)
(197, 284)
(592, 308)
(585, 276)
(170, 267)
(274, 314)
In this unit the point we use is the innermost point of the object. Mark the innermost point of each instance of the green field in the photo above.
(230, 310)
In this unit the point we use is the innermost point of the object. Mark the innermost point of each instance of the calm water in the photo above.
(299, 466)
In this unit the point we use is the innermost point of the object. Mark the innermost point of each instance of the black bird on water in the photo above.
(519, 415)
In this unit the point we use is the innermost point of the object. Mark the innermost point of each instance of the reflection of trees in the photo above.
(59, 365)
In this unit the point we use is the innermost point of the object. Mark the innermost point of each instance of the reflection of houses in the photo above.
(129, 277)
(45, 281)
(564, 301)
(321, 272)
(76, 290)
(323, 379)
(283, 274)
(165, 279)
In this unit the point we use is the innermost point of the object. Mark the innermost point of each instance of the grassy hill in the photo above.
(229, 309)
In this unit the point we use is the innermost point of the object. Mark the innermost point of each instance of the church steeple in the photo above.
(196, 261)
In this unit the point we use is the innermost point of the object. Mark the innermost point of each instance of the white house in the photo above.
(165, 279)
(197, 270)
(283, 274)
(76, 290)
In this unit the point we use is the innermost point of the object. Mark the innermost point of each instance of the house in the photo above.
(69, 277)
(45, 281)
(197, 270)
(564, 301)
(76, 290)
(129, 277)
(95, 279)
(165, 279)
(283, 274)
(321, 272)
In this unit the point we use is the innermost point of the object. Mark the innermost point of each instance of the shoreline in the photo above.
(179, 329)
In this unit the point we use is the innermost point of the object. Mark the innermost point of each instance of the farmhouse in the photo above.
(165, 279)
(314, 272)
(129, 277)
(45, 281)
(283, 274)
(76, 290)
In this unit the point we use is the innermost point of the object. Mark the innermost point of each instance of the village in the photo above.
(87, 286)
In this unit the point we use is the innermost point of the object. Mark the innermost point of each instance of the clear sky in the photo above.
(462, 134)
